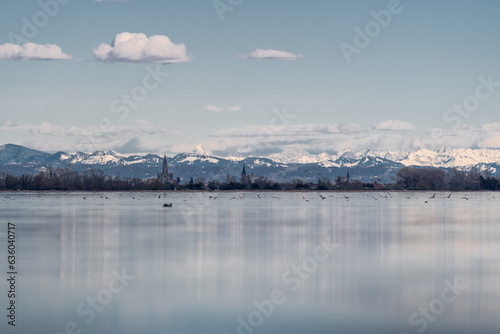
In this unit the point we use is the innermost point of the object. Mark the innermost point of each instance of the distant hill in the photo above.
(366, 166)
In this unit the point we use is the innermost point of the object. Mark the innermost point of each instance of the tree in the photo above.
(421, 178)
(12, 182)
(324, 183)
(41, 182)
(94, 179)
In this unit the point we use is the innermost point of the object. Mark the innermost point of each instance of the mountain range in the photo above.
(366, 165)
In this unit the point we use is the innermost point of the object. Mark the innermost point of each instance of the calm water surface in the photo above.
(253, 262)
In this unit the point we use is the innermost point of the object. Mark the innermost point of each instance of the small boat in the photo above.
(167, 205)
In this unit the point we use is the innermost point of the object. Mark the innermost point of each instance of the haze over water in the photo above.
(201, 264)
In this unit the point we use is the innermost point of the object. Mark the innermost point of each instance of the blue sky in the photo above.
(392, 94)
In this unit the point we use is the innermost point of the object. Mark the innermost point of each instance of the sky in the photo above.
(249, 77)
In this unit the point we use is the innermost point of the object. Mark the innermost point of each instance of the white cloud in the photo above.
(491, 140)
(391, 125)
(272, 54)
(88, 138)
(491, 127)
(32, 51)
(337, 137)
(234, 108)
(138, 48)
(467, 135)
(141, 126)
(276, 137)
(292, 130)
(213, 108)
(334, 137)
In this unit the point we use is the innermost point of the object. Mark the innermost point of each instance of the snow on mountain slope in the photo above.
(445, 157)
(421, 157)
(192, 159)
(97, 158)
(452, 158)
(329, 163)
(195, 157)
(235, 157)
(296, 156)
(469, 157)
(199, 150)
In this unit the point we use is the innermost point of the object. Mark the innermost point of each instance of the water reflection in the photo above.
(202, 263)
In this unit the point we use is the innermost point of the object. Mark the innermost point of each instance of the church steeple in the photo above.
(165, 165)
(244, 175)
(165, 176)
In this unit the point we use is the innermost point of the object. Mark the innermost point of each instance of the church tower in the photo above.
(244, 178)
(165, 165)
(165, 176)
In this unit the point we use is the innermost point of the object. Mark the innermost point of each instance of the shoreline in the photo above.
(243, 191)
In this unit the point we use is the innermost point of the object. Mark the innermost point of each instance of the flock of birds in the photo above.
(375, 196)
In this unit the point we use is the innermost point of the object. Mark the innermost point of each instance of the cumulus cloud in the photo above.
(138, 48)
(213, 108)
(391, 125)
(272, 54)
(32, 51)
(234, 108)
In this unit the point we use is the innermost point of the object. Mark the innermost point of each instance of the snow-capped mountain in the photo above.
(96, 158)
(445, 157)
(298, 157)
(199, 150)
(365, 165)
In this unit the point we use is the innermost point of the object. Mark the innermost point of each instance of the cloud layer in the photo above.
(49, 137)
(32, 51)
(336, 137)
(143, 136)
(391, 125)
(272, 54)
(138, 48)
(213, 108)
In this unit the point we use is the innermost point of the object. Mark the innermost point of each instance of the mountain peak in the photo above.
(235, 157)
(347, 153)
(293, 155)
(14, 154)
(199, 150)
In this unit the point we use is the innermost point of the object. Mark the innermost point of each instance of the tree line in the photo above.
(412, 178)
(407, 178)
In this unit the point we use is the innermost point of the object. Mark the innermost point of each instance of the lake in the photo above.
(253, 262)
